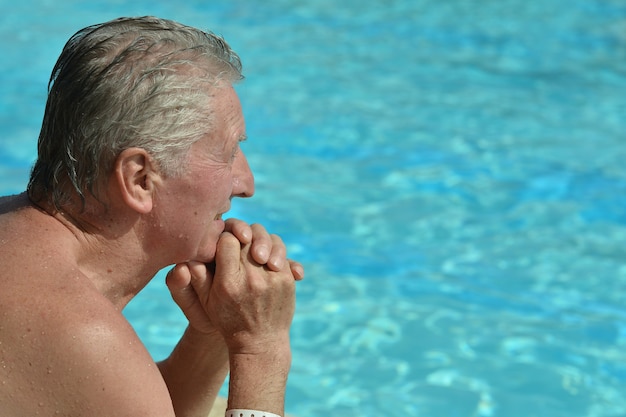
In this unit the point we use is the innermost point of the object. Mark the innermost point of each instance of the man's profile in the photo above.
(138, 160)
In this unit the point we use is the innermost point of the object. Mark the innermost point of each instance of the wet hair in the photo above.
(131, 82)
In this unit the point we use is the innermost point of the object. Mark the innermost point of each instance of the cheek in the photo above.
(219, 186)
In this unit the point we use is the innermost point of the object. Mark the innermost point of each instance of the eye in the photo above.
(237, 148)
(234, 154)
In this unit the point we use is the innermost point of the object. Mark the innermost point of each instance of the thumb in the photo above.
(228, 255)
(178, 281)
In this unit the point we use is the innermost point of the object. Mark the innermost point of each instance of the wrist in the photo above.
(258, 381)
(276, 344)
(276, 361)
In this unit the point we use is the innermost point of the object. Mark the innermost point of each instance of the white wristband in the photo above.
(249, 413)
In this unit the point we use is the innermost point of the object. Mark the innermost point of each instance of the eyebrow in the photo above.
(243, 138)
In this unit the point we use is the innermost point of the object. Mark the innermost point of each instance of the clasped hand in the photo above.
(247, 293)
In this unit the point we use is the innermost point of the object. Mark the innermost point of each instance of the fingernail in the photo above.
(263, 253)
(277, 262)
(299, 272)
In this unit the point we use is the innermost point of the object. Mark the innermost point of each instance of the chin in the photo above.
(206, 256)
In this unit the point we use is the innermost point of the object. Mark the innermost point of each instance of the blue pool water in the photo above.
(450, 172)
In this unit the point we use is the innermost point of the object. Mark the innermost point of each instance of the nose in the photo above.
(243, 179)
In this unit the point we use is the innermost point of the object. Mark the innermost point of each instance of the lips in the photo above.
(219, 216)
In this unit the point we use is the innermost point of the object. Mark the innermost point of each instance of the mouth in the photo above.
(219, 215)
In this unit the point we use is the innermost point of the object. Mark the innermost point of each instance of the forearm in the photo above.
(195, 372)
(258, 381)
(252, 305)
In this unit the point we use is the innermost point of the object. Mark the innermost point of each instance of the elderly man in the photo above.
(138, 159)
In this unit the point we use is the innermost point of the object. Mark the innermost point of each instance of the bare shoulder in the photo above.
(84, 359)
(64, 348)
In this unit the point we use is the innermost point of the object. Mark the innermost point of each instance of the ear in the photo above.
(136, 174)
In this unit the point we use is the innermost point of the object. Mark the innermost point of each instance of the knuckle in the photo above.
(228, 238)
(258, 228)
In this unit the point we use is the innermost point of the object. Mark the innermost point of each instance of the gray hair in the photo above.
(131, 82)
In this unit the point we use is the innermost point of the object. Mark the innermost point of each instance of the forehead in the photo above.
(226, 101)
(227, 124)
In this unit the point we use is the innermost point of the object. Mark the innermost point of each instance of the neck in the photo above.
(108, 252)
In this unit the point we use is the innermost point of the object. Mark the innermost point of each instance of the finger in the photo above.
(178, 281)
(178, 277)
(261, 244)
(228, 255)
(278, 256)
(297, 270)
(240, 229)
(201, 279)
